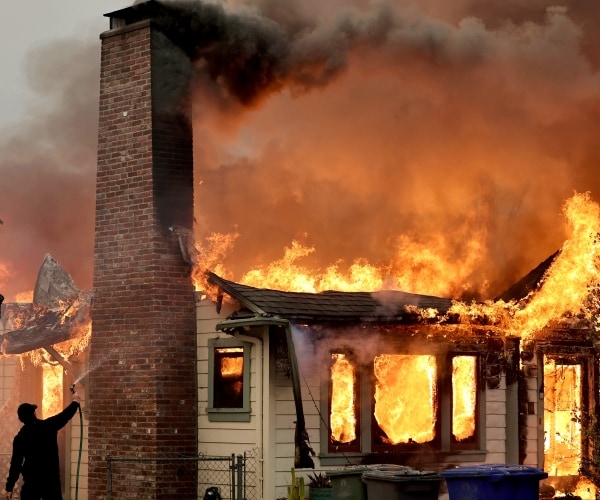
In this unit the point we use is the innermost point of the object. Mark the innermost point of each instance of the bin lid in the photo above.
(350, 470)
(493, 471)
(407, 474)
(360, 469)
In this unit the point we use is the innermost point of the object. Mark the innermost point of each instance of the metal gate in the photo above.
(235, 475)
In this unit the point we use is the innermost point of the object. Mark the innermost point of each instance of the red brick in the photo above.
(143, 293)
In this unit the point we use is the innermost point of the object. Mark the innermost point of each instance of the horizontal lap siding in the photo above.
(221, 438)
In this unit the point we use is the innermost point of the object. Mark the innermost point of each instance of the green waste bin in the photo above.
(407, 484)
(347, 484)
(494, 482)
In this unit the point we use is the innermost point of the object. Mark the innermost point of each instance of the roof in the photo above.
(382, 306)
(528, 283)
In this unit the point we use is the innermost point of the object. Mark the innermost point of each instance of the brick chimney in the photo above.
(142, 385)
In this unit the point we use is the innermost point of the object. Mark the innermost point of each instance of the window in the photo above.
(343, 403)
(464, 401)
(409, 401)
(405, 407)
(228, 380)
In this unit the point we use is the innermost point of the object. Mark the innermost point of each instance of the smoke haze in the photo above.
(438, 141)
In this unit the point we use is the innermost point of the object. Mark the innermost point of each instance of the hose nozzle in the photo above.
(72, 388)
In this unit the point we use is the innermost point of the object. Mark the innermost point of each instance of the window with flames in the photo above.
(413, 400)
(229, 380)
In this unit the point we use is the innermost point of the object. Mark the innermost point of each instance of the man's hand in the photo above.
(76, 397)
(9, 495)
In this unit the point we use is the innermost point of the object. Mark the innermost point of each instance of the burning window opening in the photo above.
(405, 412)
(464, 398)
(229, 377)
(563, 425)
(411, 396)
(562, 418)
(343, 418)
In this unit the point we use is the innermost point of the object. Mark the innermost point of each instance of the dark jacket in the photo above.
(35, 449)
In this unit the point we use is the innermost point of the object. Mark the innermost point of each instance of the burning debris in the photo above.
(59, 313)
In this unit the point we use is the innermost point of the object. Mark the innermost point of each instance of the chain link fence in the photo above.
(235, 476)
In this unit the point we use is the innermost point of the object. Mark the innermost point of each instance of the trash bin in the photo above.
(493, 482)
(347, 484)
(404, 484)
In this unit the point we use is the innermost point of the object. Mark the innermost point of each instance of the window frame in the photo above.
(443, 443)
(224, 414)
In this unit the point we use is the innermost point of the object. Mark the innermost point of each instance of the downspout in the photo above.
(302, 449)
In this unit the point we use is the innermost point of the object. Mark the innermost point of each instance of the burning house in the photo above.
(390, 377)
(184, 361)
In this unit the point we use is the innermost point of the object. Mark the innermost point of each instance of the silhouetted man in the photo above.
(35, 453)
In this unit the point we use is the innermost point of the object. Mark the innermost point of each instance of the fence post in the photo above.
(240, 478)
(232, 467)
(108, 477)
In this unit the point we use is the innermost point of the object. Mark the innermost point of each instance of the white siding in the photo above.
(225, 438)
(495, 424)
(532, 457)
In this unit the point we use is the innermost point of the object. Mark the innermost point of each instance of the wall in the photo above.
(225, 438)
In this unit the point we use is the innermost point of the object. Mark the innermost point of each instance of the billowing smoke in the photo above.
(433, 143)
(47, 169)
(438, 140)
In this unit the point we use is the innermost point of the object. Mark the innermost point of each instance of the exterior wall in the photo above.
(224, 438)
(219, 438)
(285, 420)
(142, 391)
(495, 424)
(534, 428)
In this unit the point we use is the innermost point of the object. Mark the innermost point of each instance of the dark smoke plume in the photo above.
(383, 131)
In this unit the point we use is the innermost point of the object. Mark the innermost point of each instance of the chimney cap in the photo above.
(135, 13)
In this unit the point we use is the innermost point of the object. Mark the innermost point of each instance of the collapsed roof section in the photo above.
(59, 312)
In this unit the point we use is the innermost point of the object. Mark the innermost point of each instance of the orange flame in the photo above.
(401, 410)
(343, 412)
(562, 417)
(418, 268)
(565, 285)
(231, 366)
(464, 396)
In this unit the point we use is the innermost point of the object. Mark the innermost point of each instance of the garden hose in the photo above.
(80, 447)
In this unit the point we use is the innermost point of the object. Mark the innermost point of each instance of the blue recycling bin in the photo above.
(493, 482)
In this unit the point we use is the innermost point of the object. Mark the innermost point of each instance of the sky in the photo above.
(434, 142)
(34, 50)
(31, 24)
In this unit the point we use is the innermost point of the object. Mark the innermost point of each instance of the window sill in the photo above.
(435, 459)
(228, 414)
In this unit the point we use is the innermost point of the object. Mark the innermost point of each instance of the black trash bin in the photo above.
(405, 484)
(494, 482)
